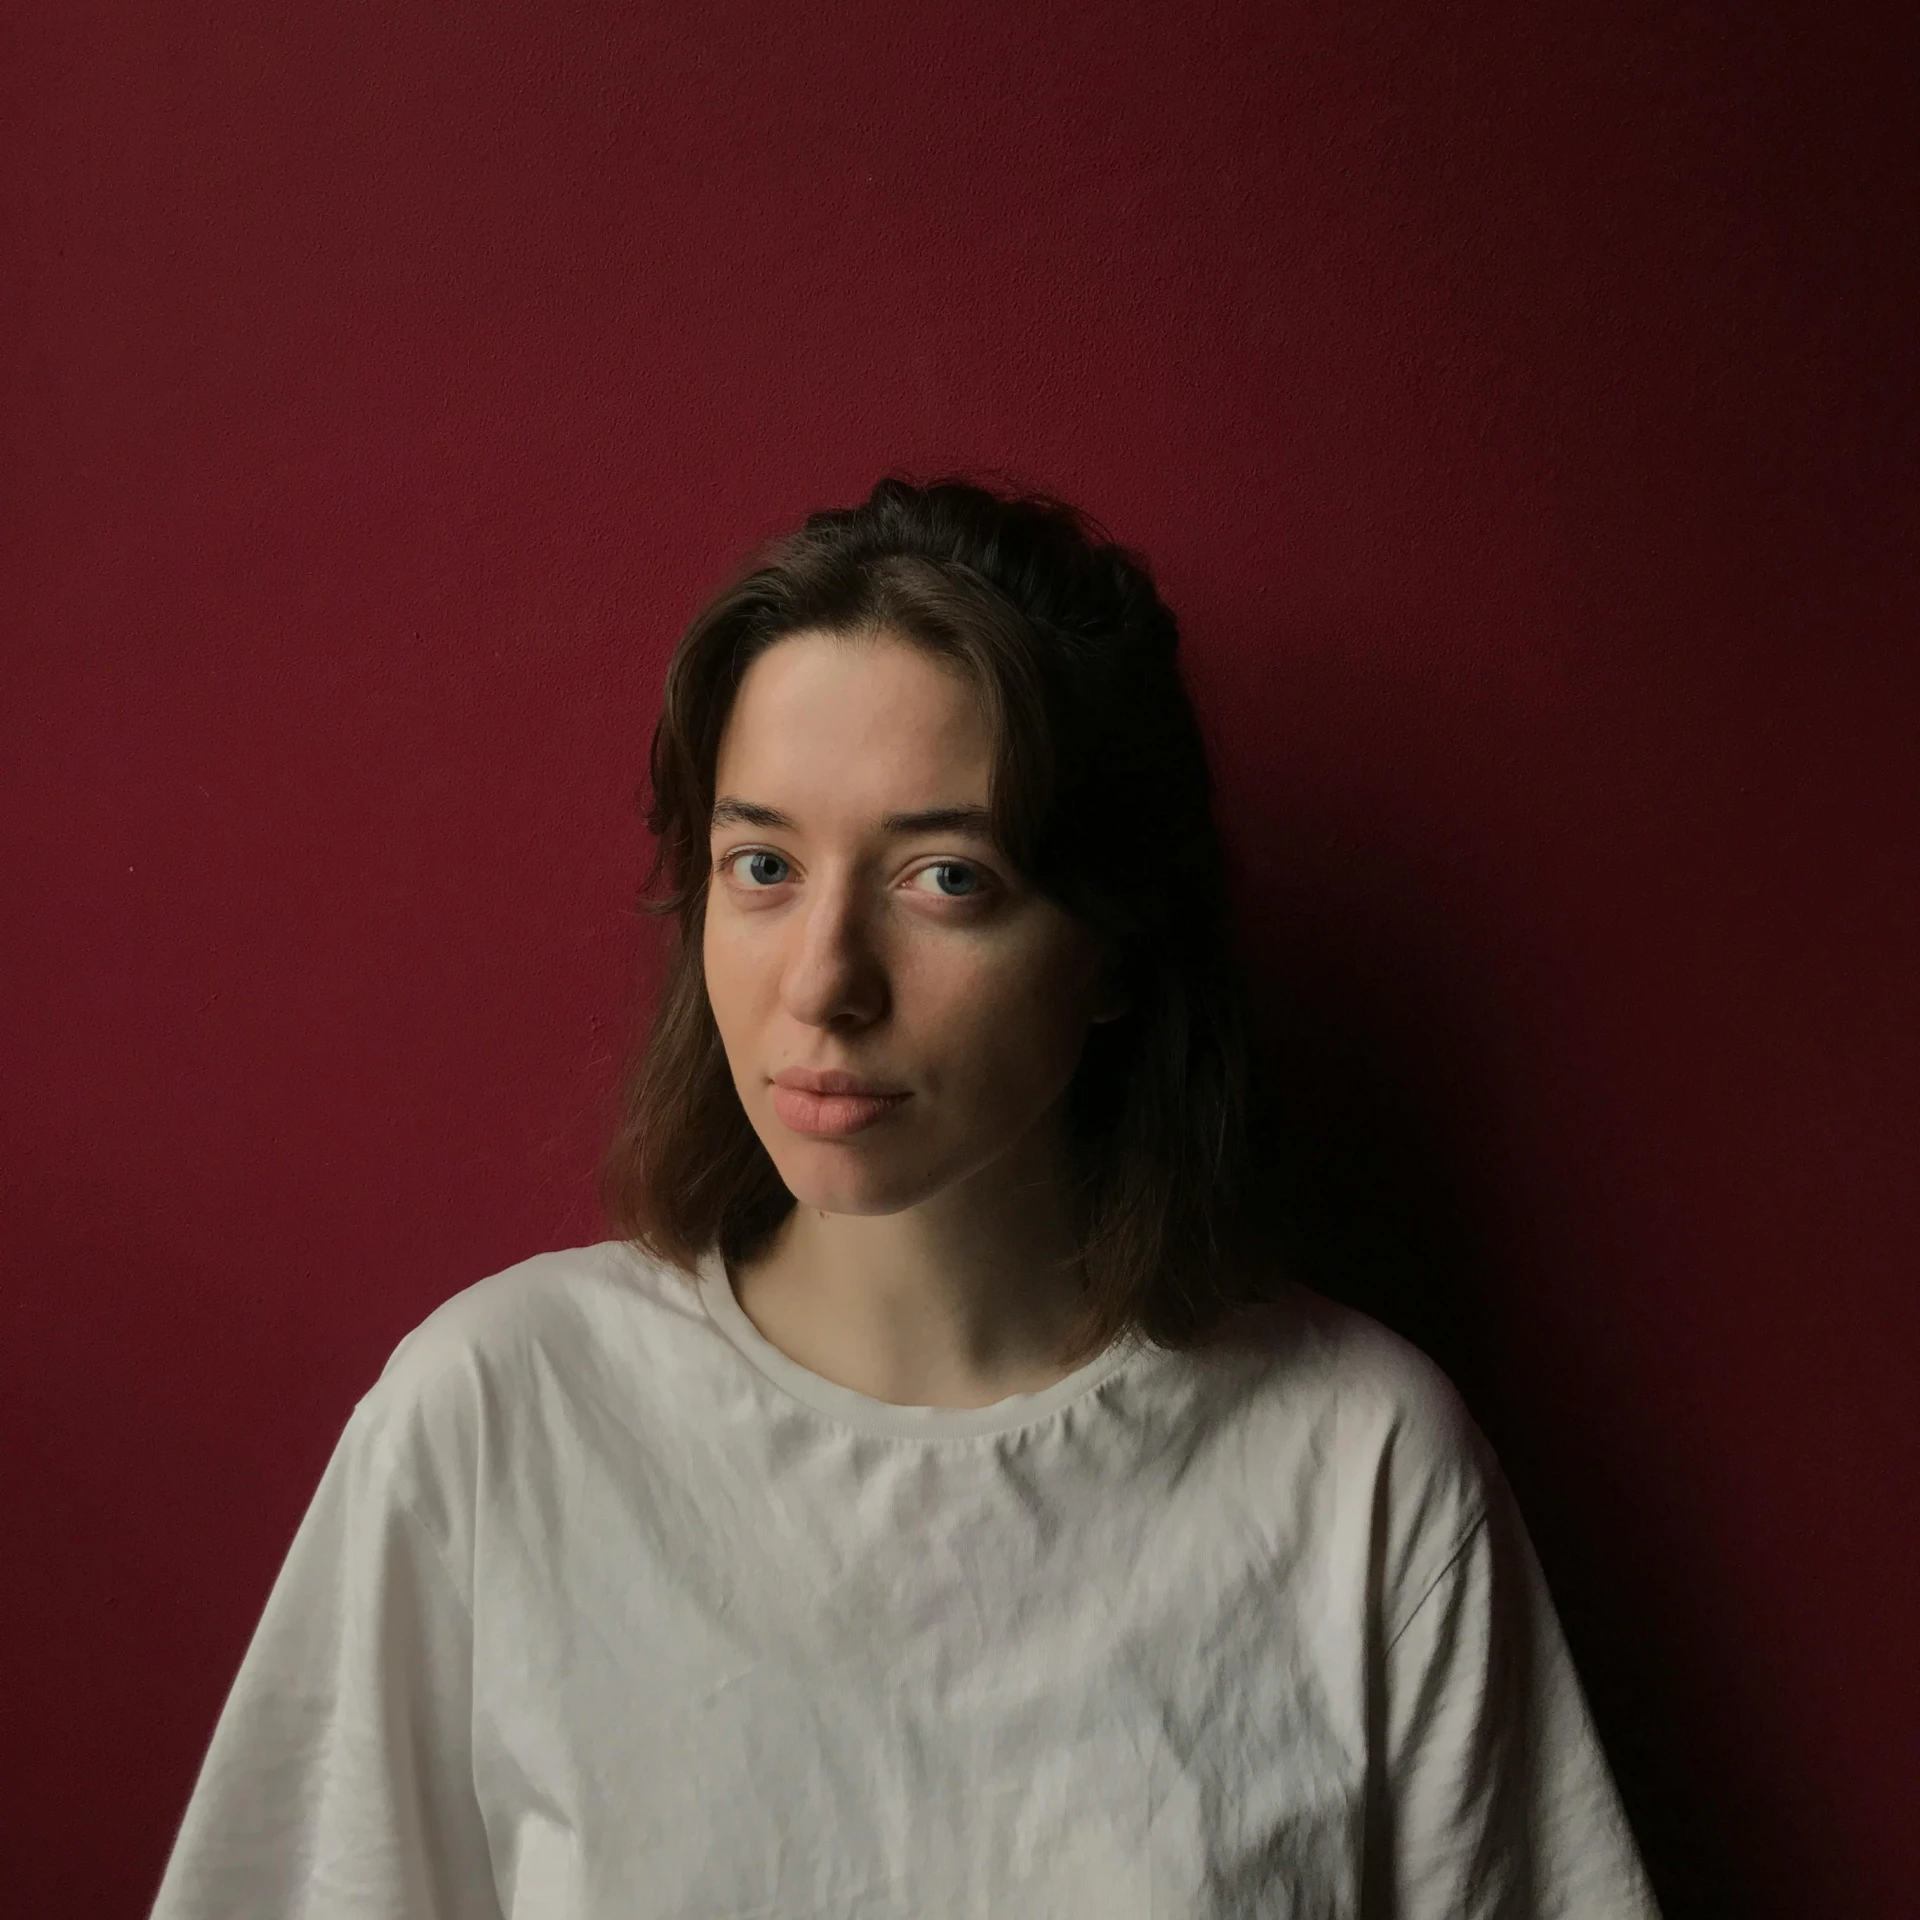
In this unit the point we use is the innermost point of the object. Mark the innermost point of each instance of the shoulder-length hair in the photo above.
(1100, 796)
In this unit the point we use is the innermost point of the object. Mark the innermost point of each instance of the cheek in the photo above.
(1009, 1027)
(733, 977)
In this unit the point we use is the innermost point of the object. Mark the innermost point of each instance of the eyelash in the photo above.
(983, 881)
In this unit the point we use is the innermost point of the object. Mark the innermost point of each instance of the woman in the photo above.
(930, 1504)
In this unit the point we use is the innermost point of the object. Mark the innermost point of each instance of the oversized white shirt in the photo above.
(606, 1607)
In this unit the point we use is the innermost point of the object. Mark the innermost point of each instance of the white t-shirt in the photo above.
(606, 1607)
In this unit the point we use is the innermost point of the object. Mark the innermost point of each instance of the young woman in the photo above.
(931, 1504)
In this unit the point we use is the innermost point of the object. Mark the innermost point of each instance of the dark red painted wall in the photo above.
(1518, 402)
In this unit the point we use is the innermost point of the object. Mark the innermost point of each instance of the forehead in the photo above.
(855, 715)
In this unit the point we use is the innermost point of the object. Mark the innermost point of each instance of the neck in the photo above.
(960, 1301)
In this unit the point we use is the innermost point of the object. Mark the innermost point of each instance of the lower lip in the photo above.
(833, 1115)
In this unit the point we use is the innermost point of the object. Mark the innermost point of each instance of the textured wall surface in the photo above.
(1518, 405)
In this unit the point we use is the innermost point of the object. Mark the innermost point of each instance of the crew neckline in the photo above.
(885, 1418)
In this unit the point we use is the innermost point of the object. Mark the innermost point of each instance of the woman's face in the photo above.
(899, 1009)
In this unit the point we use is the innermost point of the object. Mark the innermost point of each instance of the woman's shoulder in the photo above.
(577, 1296)
(483, 1393)
(1309, 1355)
(549, 1325)
(1328, 1398)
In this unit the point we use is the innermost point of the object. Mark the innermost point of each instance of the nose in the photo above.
(834, 973)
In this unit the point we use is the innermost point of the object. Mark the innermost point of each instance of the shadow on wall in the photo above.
(1374, 1207)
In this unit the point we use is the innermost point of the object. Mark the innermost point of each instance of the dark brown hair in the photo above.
(1100, 796)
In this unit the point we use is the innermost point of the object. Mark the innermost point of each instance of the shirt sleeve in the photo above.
(339, 1782)
(1497, 1801)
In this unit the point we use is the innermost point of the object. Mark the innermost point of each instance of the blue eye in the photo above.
(953, 879)
(766, 869)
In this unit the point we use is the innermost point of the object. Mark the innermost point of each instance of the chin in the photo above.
(841, 1179)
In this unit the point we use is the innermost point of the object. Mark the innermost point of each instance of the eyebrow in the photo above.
(728, 811)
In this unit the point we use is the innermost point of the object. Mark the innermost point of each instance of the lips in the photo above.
(832, 1104)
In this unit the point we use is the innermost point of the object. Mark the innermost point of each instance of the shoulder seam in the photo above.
(463, 1600)
(402, 1491)
(1433, 1586)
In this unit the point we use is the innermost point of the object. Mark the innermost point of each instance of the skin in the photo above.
(930, 1258)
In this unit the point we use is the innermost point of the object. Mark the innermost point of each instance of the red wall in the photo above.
(1518, 402)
